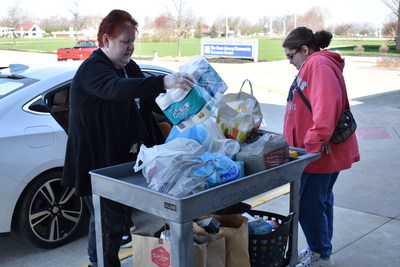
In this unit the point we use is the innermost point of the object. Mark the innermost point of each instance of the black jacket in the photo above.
(104, 118)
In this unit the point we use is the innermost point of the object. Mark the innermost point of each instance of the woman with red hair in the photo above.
(111, 114)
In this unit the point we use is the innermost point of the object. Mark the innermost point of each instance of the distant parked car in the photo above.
(81, 51)
(34, 107)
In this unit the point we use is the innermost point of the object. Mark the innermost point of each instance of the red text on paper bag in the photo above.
(160, 257)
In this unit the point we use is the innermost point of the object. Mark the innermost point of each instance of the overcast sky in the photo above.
(340, 11)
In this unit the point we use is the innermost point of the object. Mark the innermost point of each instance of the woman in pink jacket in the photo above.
(321, 81)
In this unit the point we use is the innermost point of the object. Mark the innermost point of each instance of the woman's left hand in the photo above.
(179, 80)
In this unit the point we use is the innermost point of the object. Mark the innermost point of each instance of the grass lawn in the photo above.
(269, 49)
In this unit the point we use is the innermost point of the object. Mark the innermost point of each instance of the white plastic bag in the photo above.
(155, 159)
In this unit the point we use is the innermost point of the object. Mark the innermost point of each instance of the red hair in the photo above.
(113, 23)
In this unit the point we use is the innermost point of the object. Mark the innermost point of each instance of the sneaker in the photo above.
(126, 241)
(314, 260)
(302, 254)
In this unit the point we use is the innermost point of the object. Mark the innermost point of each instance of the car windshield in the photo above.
(86, 44)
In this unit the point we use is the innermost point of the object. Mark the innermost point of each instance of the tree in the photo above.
(245, 27)
(366, 29)
(262, 25)
(390, 29)
(213, 32)
(290, 22)
(54, 23)
(220, 25)
(77, 19)
(314, 19)
(394, 5)
(164, 25)
(183, 20)
(163, 29)
(199, 30)
(13, 19)
(343, 29)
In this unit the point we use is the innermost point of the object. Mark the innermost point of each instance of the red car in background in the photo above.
(81, 51)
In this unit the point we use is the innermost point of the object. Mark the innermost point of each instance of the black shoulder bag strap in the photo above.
(304, 98)
(325, 147)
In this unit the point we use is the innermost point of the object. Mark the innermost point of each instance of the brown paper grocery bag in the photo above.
(235, 230)
(211, 251)
(151, 251)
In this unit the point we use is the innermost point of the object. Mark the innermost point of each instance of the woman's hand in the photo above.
(179, 80)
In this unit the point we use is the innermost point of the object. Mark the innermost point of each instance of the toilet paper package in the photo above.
(189, 108)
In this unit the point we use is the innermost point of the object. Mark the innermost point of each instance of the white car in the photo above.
(33, 135)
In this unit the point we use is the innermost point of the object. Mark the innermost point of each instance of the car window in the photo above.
(58, 103)
(85, 44)
(6, 88)
(151, 72)
(9, 85)
(55, 102)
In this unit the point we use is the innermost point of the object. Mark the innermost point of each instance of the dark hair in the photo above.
(113, 23)
(304, 36)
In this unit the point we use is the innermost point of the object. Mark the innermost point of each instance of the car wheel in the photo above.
(49, 214)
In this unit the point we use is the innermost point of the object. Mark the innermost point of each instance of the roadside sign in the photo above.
(230, 48)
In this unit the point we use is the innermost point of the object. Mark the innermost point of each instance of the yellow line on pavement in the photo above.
(260, 199)
(125, 253)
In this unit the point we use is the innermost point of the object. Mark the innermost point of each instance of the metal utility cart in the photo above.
(120, 183)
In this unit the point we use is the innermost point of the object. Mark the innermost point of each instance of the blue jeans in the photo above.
(316, 211)
(115, 219)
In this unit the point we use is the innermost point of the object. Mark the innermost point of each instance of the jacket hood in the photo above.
(335, 58)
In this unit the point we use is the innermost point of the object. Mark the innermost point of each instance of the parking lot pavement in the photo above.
(367, 210)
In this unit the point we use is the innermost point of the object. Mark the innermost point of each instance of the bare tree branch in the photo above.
(182, 18)
(78, 19)
(13, 19)
(394, 5)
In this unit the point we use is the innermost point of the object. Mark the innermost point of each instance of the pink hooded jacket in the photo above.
(322, 83)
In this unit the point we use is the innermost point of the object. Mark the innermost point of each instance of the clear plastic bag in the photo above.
(157, 158)
(186, 175)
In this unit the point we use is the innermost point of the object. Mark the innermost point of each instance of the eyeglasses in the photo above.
(290, 57)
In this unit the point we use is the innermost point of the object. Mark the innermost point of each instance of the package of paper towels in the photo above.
(186, 109)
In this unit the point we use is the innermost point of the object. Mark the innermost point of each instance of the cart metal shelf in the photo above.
(121, 184)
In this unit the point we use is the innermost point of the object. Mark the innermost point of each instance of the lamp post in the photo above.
(226, 26)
